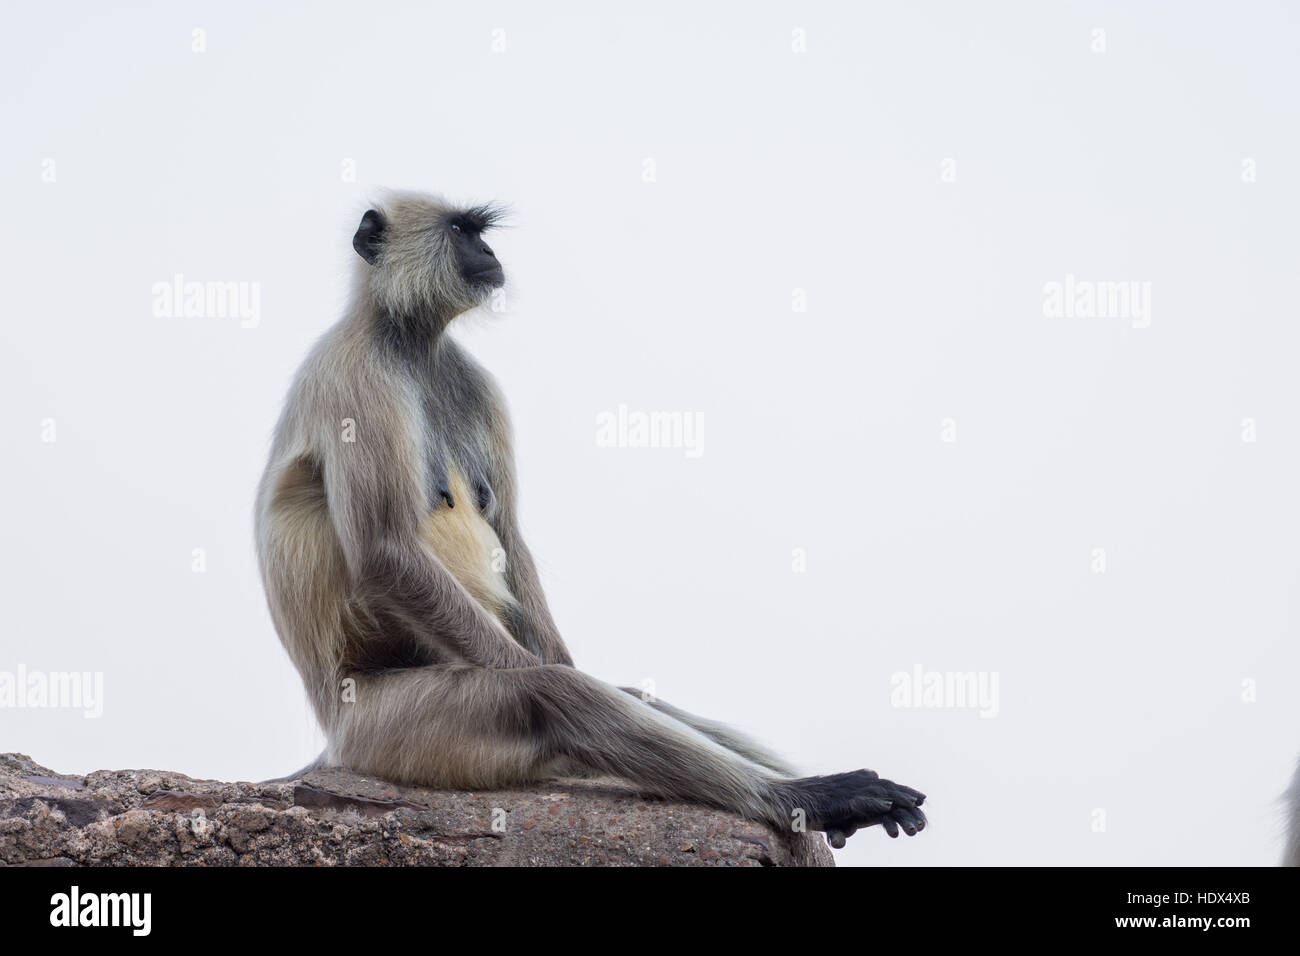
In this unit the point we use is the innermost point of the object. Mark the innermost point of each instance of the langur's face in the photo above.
(425, 253)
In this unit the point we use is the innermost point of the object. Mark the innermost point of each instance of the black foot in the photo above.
(843, 803)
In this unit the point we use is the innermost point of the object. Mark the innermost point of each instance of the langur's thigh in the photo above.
(442, 726)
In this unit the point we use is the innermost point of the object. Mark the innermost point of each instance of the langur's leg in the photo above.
(479, 728)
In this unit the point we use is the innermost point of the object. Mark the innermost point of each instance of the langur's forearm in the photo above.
(436, 610)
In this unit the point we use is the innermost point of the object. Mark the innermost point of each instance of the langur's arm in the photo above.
(375, 486)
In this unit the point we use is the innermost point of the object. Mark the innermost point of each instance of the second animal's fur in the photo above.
(404, 593)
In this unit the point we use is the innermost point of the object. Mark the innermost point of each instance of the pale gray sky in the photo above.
(921, 172)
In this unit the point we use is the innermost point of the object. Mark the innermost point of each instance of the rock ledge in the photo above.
(337, 818)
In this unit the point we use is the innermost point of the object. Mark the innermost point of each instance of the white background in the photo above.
(775, 170)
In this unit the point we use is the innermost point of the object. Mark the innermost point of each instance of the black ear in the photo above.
(369, 235)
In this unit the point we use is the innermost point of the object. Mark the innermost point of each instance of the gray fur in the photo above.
(1291, 848)
(422, 666)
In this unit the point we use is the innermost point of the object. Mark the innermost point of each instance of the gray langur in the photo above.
(399, 583)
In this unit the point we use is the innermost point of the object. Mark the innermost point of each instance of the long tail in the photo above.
(314, 765)
(723, 734)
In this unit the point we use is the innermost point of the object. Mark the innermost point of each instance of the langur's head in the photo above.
(427, 258)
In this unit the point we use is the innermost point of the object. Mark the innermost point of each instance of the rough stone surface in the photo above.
(333, 818)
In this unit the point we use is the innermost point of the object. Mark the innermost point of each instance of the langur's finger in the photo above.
(909, 821)
(917, 796)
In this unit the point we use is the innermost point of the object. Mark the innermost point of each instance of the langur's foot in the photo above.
(843, 803)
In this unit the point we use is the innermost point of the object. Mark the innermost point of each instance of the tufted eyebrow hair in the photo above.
(478, 218)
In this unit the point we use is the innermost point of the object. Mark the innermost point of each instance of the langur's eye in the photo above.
(455, 227)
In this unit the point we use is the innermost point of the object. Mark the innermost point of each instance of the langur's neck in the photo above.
(414, 338)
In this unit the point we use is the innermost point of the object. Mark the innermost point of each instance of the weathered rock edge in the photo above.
(337, 818)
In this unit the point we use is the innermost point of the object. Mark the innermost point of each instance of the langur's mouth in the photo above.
(488, 277)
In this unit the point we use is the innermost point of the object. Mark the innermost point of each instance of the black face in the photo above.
(478, 263)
